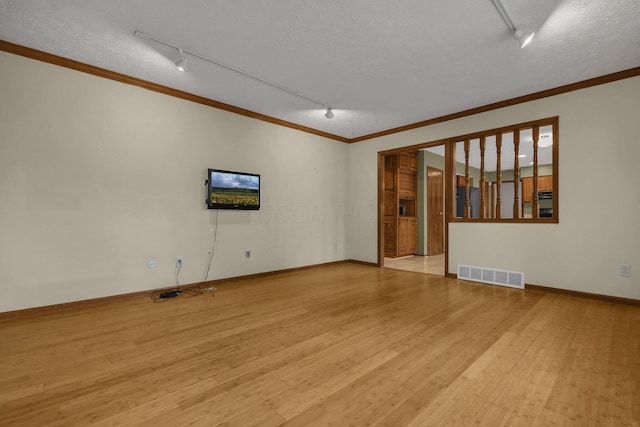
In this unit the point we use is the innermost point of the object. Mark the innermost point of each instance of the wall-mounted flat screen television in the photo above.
(233, 190)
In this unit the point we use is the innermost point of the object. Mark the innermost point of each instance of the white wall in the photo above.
(97, 178)
(599, 194)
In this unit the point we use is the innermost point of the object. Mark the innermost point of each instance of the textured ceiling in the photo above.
(379, 64)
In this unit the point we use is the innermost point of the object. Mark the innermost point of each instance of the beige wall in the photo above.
(97, 178)
(599, 199)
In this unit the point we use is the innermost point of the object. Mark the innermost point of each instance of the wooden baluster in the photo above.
(516, 174)
(483, 190)
(467, 204)
(498, 176)
(451, 202)
(535, 205)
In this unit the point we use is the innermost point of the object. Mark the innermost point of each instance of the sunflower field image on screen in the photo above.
(233, 190)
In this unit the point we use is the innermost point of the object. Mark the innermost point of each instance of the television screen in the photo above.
(233, 190)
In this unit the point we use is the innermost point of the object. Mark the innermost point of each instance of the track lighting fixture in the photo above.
(329, 113)
(524, 38)
(182, 62)
(182, 66)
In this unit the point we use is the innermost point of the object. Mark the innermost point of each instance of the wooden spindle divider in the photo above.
(516, 173)
(467, 202)
(526, 188)
(483, 185)
(498, 175)
(535, 205)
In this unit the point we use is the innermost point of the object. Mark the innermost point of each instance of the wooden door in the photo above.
(435, 211)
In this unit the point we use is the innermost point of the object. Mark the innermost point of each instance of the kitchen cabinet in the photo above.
(400, 222)
(545, 183)
(408, 162)
(407, 235)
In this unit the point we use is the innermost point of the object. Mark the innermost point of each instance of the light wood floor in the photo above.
(339, 345)
(433, 264)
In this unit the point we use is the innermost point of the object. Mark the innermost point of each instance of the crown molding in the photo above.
(608, 78)
(123, 78)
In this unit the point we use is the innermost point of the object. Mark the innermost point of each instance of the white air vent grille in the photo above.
(512, 279)
(464, 270)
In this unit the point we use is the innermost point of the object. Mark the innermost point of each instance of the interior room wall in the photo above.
(598, 194)
(97, 178)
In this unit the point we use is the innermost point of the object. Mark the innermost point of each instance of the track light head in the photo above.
(182, 62)
(329, 113)
(523, 38)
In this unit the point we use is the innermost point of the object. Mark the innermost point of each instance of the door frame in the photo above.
(448, 188)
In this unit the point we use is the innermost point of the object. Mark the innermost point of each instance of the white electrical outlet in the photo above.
(151, 264)
(178, 262)
(624, 270)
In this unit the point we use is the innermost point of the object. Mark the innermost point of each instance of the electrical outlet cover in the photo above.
(624, 270)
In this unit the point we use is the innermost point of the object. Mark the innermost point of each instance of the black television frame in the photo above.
(211, 191)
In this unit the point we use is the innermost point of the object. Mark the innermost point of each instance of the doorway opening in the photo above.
(412, 194)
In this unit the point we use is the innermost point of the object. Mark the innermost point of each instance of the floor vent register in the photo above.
(493, 276)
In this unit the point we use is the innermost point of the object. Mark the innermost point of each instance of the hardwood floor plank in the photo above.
(255, 416)
(344, 344)
(225, 405)
(311, 397)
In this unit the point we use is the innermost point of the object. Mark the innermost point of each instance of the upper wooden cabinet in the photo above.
(461, 181)
(545, 183)
(408, 162)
